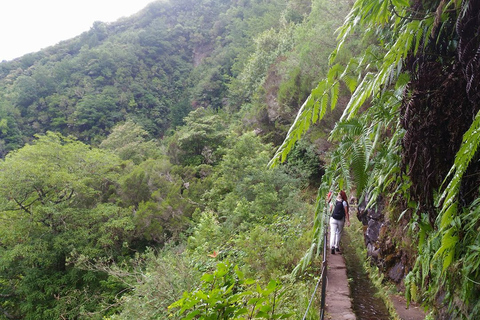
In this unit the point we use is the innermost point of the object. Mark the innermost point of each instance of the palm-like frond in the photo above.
(449, 211)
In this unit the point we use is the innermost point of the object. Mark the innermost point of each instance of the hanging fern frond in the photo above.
(349, 128)
(319, 227)
(365, 86)
(469, 147)
(371, 131)
(449, 198)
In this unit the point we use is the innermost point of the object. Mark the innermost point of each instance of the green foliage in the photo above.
(244, 193)
(207, 239)
(370, 136)
(76, 214)
(449, 215)
(293, 91)
(10, 135)
(152, 67)
(270, 45)
(199, 140)
(363, 83)
(156, 194)
(25, 91)
(273, 250)
(305, 163)
(56, 170)
(96, 113)
(129, 142)
(52, 192)
(155, 280)
(227, 294)
(254, 217)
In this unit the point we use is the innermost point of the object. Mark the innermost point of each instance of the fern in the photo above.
(314, 108)
(448, 213)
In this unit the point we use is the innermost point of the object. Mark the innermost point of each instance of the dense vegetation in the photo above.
(135, 164)
(408, 139)
(144, 174)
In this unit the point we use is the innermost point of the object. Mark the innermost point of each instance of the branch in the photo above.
(41, 194)
(23, 207)
(438, 17)
(8, 315)
(62, 197)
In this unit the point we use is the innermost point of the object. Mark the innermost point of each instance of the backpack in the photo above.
(338, 211)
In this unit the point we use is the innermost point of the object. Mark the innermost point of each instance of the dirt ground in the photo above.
(414, 312)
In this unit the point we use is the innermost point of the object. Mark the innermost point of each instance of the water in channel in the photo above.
(365, 303)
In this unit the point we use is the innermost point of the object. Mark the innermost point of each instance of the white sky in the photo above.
(30, 25)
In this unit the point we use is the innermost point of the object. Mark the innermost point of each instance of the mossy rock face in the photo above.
(373, 230)
(397, 272)
(381, 248)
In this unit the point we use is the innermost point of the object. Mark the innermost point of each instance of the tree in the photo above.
(10, 135)
(247, 202)
(25, 89)
(156, 193)
(227, 294)
(129, 142)
(54, 206)
(97, 113)
(198, 141)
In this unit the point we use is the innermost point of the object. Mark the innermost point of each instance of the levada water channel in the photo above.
(365, 301)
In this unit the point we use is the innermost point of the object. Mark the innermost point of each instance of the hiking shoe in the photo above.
(333, 250)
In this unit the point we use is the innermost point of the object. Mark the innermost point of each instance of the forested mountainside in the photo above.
(166, 165)
(135, 160)
(139, 68)
(152, 68)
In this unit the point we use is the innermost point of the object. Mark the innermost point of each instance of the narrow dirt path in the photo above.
(414, 312)
(339, 303)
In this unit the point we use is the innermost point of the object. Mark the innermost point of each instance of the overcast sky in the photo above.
(30, 25)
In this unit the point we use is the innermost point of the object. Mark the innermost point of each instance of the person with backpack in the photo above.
(337, 220)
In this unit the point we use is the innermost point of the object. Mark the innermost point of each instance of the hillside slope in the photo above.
(153, 68)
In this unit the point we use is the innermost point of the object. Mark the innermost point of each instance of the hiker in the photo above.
(337, 220)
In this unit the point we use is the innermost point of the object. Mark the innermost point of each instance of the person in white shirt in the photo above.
(337, 220)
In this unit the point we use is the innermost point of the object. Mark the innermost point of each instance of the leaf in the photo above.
(191, 315)
(200, 294)
(241, 311)
(207, 277)
(333, 73)
(447, 248)
(222, 269)
(400, 3)
(272, 285)
(351, 82)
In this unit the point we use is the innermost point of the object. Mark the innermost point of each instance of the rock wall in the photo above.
(381, 248)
